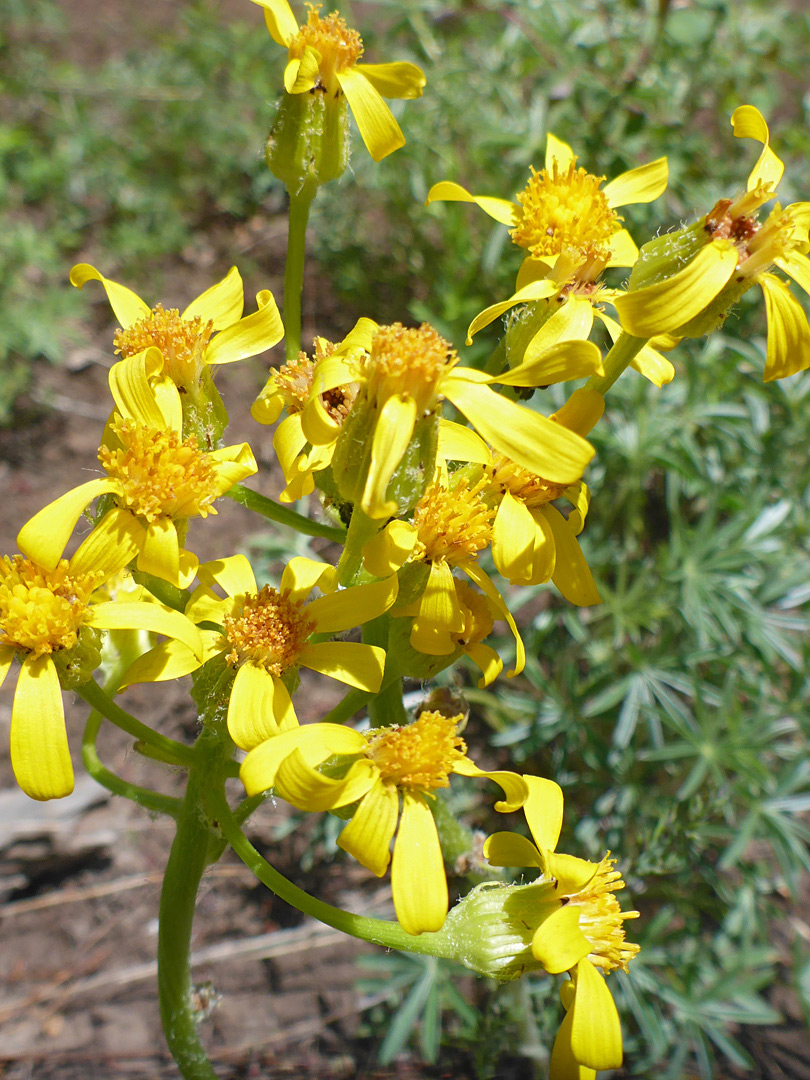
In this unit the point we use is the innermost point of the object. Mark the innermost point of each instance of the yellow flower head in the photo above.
(49, 621)
(289, 389)
(209, 332)
(158, 479)
(324, 54)
(404, 374)
(581, 930)
(382, 768)
(722, 256)
(265, 634)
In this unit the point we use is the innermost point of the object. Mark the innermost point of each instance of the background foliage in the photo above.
(674, 715)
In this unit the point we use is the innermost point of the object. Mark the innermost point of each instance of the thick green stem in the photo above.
(386, 706)
(294, 271)
(189, 856)
(169, 750)
(617, 360)
(378, 931)
(260, 504)
(362, 528)
(150, 800)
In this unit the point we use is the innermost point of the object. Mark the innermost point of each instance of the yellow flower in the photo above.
(324, 54)
(452, 523)
(290, 388)
(265, 634)
(158, 479)
(381, 766)
(50, 621)
(185, 340)
(582, 933)
(569, 225)
(735, 250)
(405, 373)
(531, 540)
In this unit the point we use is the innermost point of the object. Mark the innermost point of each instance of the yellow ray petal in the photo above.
(222, 304)
(797, 266)
(558, 942)
(513, 535)
(288, 442)
(6, 658)
(250, 336)
(418, 880)
(439, 604)
(306, 788)
(639, 185)
(749, 123)
(570, 873)
(232, 465)
(563, 1064)
(511, 849)
(650, 363)
(359, 338)
(459, 443)
(515, 788)
(134, 386)
(258, 702)
(558, 363)
(582, 411)
(544, 811)
(531, 440)
(508, 213)
(573, 320)
(385, 553)
(39, 748)
(392, 433)
(301, 73)
(596, 1034)
(559, 153)
(127, 306)
(350, 662)
(171, 660)
(623, 249)
(572, 575)
(668, 304)
(539, 289)
(375, 121)
(395, 80)
(532, 269)
(44, 537)
(369, 833)
(113, 543)
(788, 349)
(280, 20)
(487, 660)
(430, 639)
(316, 743)
(233, 574)
(268, 406)
(160, 554)
(124, 615)
(206, 606)
(485, 585)
(301, 575)
(352, 607)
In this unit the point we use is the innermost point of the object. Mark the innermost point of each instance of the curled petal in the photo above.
(508, 213)
(280, 20)
(439, 604)
(749, 123)
(127, 306)
(222, 304)
(788, 349)
(513, 535)
(45, 536)
(171, 660)
(484, 583)
(573, 320)
(316, 742)
(487, 660)
(301, 575)
(558, 942)
(511, 849)
(537, 289)
(308, 789)
(514, 787)
(234, 574)
(114, 542)
(249, 336)
(572, 575)
(142, 393)
(558, 363)
(385, 553)
(392, 433)
(301, 73)
(259, 707)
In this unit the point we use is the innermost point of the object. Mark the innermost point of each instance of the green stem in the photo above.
(165, 592)
(378, 931)
(386, 706)
(260, 504)
(352, 703)
(624, 351)
(497, 358)
(189, 856)
(168, 749)
(150, 800)
(361, 529)
(294, 271)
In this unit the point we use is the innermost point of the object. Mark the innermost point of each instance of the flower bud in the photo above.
(308, 144)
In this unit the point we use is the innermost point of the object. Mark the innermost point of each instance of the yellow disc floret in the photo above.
(42, 611)
(338, 46)
(453, 524)
(270, 631)
(563, 210)
(420, 755)
(159, 473)
(409, 362)
(601, 919)
(182, 342)
(530, 489)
